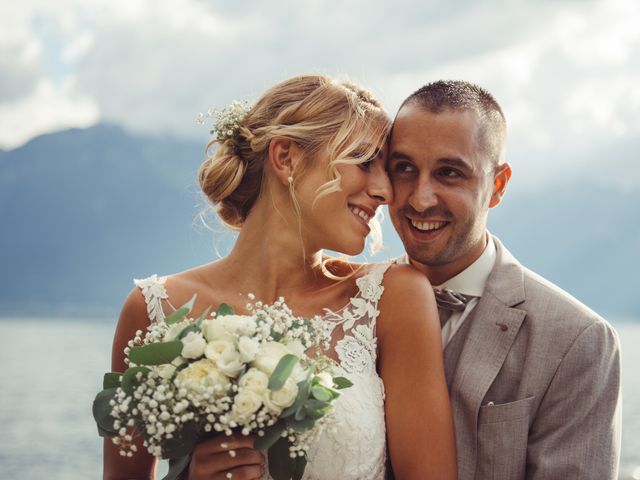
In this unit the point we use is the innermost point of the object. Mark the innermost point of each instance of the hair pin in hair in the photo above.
(226, 121)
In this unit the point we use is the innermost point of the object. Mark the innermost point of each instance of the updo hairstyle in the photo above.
(321, 115)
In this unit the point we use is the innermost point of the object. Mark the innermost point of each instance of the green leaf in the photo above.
(191, 328)
(281, 465)
(156, 353)
(111, 380)
(303, 395)
(271, 436)
(301, 425)
(321, 393)
(300, 465)
(342, 382)
(177, 467)
(282, 372)
(102, 412)
(224, 309)
(202, 316)
(314, 404)
(180, 313)
(300, 415)
(129, 380)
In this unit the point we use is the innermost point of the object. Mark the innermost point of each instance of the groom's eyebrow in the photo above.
(396, 155)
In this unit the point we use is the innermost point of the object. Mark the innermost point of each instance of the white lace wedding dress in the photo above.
(355, 448)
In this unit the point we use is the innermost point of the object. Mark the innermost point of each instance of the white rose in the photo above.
(201, 376)
(254, 380)
(245, 404)
(229, 363)
(165, 371)
(248, 348)
(214, 330)
(239, 324)
(193, 345)
(281, 399)
(214, 349)
(325, 379)
(269, 354)
(296, 347)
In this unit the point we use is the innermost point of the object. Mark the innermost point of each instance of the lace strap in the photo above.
(154, 293)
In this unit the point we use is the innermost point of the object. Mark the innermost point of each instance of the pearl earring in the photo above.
(290, 180)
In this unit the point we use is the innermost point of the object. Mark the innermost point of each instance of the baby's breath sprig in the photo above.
(226, 121)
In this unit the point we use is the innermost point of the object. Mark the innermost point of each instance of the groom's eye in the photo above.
(402, 167)
(449, 173)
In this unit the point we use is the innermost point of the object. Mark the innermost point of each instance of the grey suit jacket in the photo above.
(534, 379)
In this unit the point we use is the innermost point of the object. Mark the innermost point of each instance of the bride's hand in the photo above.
(223, 458)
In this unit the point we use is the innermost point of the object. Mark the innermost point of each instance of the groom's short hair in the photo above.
(458, 95)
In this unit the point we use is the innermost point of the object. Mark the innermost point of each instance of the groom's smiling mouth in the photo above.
(427, 226)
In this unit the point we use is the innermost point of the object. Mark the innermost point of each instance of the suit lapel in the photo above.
(493, 327)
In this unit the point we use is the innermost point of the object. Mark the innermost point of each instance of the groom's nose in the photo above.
(423, 195)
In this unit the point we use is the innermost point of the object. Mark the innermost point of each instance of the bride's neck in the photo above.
(270, 259)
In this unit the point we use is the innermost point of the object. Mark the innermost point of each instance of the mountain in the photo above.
(82, 212)
(85, 211)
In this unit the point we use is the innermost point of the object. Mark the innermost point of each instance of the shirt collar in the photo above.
(471, 281)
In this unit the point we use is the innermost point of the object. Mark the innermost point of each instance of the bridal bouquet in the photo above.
(190, 379)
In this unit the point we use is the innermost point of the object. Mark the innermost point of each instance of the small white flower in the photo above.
(239, 324)
(254, 380)
(248, 348)
(216, 348)
(193, 345)
(230, 363)
(245, 404)
(214, 330)
(269, 354)
(281, 399)
(325, 379)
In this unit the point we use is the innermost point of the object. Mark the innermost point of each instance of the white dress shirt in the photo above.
(471, 282)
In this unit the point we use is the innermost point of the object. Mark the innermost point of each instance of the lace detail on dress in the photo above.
(154, 292)
(354, 447)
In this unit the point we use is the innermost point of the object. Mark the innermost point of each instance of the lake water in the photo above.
(52, 369)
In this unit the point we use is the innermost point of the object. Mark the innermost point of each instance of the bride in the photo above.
(302, 171)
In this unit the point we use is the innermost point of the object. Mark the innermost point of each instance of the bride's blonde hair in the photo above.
(318, 113)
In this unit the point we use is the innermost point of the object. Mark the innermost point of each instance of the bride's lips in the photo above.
(426, 229)
(363, 214)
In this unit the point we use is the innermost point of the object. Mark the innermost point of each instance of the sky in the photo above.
(567, 73)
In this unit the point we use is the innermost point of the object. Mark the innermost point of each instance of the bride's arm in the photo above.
(417, 408)
(141, 465)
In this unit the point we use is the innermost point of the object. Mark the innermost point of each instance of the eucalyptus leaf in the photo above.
(224, 309)
(342, 382)
(281, 465)
(282, 372)
(301, 425)
(156, 353)
(300, 415)
(321, 393)
(129, 380)
(102, 411)
(303, 395)
(314, 404)
(187, 330)
(300, 465)
(111, 380)
(202, 316)
(182, 312)
(271, 436)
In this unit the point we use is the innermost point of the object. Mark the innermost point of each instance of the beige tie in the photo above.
(449, 302)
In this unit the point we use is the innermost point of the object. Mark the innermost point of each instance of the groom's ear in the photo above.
(284, 155)
(500, 180)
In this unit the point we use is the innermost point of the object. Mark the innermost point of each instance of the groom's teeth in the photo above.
(426, 226)
(361, 213)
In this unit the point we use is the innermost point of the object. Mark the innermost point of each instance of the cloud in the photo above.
(566, 72)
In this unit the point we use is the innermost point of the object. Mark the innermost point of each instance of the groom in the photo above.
(533, 374)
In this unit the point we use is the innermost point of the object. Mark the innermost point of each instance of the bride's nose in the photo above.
(380, 186)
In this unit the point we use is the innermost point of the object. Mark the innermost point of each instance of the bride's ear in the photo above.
(284, 154)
